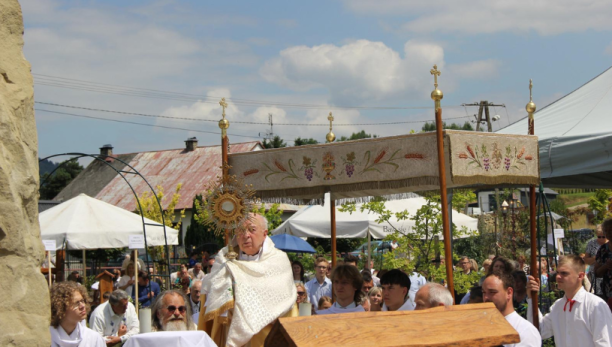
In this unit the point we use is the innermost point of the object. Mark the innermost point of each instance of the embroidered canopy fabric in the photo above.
(387, 166)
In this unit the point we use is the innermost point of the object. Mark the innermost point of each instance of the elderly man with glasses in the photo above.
(171, 313)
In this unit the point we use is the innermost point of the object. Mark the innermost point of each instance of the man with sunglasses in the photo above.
(249, 287)
(171, 313)
(589, 258)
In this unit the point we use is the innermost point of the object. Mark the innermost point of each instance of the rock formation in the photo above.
(24, 295)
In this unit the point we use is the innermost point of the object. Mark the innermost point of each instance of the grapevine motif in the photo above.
(308, 167)
(513, 158)
(349, 163)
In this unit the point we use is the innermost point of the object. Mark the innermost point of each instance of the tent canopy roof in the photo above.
(87, 223)
(575, 136)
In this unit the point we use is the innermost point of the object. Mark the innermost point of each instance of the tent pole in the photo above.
(84, 266)
(369, 250)
(136, 280)
(332, 210)
(50, 273)
(531, 107)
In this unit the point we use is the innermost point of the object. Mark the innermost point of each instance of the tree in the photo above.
(418, 248)
(599, 203)
(150, 209)
(427, 127)
(276, 142)
(54, 184)
(199, 233)
(301, 142)
(461, 198)
(357, 136)
(46, 166)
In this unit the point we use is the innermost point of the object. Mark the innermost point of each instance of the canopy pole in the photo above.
(369, 250)
(84, 266)
(531, 107)
(436, 96)
(332, 210)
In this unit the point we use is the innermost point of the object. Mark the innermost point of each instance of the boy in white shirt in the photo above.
(579, 318)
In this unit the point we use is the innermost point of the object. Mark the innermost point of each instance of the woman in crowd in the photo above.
(302, 296)
(474, 265)
(69, 306)
(486, 265)
(603, 262)
(298, 272)
(375, 295)
(346, 284)
(126, 282)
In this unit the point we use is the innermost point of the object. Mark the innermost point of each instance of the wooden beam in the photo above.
(443, 326)
(332, 211)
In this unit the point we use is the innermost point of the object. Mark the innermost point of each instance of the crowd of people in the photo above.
(581, 317)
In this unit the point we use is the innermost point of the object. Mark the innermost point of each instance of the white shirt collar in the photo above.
(351, 305)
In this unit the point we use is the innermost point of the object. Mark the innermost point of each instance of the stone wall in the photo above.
(24, 295)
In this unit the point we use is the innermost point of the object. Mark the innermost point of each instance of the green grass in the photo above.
(572, 200)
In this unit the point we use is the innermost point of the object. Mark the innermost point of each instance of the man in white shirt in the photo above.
(432, 295)
(194, 296)
(116, 320)
(416, 282)
(196, 272)
(319, 286)
(395, 288)
(579, 318)
(498, 288)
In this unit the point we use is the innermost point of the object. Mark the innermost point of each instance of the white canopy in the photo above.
(314, 221)
(575, 136)
(87, 223)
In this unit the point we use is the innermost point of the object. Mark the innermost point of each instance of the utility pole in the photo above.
(483, 114)
(269, 134)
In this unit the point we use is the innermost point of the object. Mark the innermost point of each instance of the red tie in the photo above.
(571, 303)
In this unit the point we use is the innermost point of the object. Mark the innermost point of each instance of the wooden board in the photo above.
(464, 325)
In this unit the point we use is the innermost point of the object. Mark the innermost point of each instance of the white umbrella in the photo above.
(314, 221)
(87, 223)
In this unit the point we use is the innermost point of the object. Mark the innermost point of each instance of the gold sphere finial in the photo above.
(223, 123)
(331, 137)
(436, 94)
(531, 106)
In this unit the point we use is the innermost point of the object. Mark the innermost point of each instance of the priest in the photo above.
(249, 287)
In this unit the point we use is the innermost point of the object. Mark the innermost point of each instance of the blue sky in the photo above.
(297, 60)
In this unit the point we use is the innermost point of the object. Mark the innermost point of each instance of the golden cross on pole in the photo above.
(330, 136)
(224, 105)
(530, 87)
(435, 72)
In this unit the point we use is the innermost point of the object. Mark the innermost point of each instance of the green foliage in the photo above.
(463, 283)
(46, 166)
(54, 184)
(343, 245)
(301, 142)
(418, 248)
(461, 198)
(276, 142)
(427, 127)
(599, 202)
(273, 215)
(357, 136)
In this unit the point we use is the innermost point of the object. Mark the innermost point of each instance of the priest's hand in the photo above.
(112, 340)
(532, 286)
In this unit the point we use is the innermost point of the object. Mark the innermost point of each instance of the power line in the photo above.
(142, 124)
(75, 84)
(239, 122)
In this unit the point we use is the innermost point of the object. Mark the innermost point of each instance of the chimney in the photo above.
(191, 144)
(106, 150)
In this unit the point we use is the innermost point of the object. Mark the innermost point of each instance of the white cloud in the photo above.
(363, 70)
(491, 16)
(482, 69)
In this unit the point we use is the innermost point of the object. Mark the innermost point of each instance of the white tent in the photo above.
(575, 136)
(314, 221)
(87, 223)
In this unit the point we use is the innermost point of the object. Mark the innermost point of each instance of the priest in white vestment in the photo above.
(243, 297)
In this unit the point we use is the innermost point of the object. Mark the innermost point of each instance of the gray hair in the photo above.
(117, 296)
(198, 264)
(194, 282)
(375, 290)
(263, 221)
(438, 294)
(159, 304)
